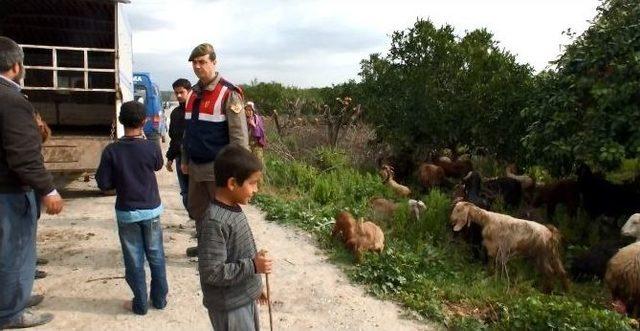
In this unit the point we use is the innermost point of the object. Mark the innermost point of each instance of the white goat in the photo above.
(384, 208)
(504, 237)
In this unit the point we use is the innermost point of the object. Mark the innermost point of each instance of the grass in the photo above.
(424, 267)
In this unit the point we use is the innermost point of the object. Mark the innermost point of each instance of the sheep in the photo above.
(386, 172)
(456, 169)
(366, 237)
(632, 227)
(564, 191)
(623, 279)
(505, 236)
(430, 175)
(600, 197)
(384, 208)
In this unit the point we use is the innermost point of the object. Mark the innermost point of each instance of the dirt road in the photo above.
(85, 289)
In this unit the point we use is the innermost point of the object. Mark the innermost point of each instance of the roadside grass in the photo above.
(424, 266)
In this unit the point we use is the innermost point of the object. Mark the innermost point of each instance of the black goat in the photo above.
(592, 263)
(601, 197)
(564, 192)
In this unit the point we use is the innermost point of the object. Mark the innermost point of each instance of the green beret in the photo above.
(202, 49)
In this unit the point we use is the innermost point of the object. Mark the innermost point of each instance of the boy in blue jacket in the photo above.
(129, 167)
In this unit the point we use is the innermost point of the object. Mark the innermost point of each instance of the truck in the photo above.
(78, 71)
(146, 91)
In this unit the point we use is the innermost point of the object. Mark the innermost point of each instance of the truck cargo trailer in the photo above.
(79, 70)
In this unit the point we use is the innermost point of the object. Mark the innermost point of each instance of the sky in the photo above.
(316, 43)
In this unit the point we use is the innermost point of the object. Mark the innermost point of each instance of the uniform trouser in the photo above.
(183, 181)
(201, 191)
(17, 253)
(245, 318)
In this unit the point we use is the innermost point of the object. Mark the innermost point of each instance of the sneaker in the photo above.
(29, 319)
(192, 251)
(40, 274)
(35, 300)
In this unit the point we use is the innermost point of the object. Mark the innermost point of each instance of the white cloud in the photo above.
(319, 43)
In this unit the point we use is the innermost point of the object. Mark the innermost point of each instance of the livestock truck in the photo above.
(79, 70)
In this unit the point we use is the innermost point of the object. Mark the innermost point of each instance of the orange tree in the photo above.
(435, 90)
(588, 108)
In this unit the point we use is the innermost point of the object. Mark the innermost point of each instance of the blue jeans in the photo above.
(140, 239)
(17, 253)
(183, 181)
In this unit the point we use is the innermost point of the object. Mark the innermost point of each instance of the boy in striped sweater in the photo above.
(229, 262)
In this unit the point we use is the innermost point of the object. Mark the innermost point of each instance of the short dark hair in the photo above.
(10, 54)
(132, 114)
(182, 82)
(203, 49)
(235, 161)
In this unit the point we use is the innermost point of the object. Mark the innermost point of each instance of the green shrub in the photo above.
(557, 313)
(327, 158)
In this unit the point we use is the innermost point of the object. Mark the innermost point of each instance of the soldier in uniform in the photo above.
(214, 117)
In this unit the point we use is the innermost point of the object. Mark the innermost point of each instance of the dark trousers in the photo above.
(17, 253)
(183, 181)
(139, 240)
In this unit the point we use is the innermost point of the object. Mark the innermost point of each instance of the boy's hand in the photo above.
(263, 299)
(52, 204)
(263, 262)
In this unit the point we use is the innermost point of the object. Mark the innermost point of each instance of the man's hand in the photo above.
(184, 168)
(263, 262)
(170, 165)
(52, 204)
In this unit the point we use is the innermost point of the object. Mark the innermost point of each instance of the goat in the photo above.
(366, 237)
(456, 169)
(344, 226)
(430, 175)
(45, 131)
(386, 172)
(384, 208)
(593, 262)
(564, 191)
(505, 236)
(485, 194)
(600, 197)
(525, 181)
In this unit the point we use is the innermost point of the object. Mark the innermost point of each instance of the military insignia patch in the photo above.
(236, 107)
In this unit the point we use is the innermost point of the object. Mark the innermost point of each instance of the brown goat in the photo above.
(45, 131)
(456, 169)
(430, 175)
(367, 237)
(505, 236)
(344, 227)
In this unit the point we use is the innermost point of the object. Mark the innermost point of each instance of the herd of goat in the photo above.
(495, 238)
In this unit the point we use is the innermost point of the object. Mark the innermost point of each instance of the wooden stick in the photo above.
(269, 303)
(264, 252)
(104, 278)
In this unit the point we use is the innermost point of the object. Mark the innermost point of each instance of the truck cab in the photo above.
(147, 92)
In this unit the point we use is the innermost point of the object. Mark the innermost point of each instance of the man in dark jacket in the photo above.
(23, 179)
(182, 89)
